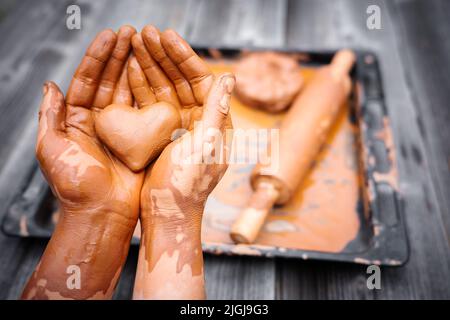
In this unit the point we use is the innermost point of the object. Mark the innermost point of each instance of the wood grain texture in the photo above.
(429, 248)
(426, 48)
(37, 46)
(239, 278)
(239, 23)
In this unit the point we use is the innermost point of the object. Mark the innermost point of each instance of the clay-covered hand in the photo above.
(178, 183)
(167, 69)
(169, 82)
(98, 195)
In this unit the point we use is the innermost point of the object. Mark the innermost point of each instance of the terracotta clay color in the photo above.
(324, 212)
(304, 129)
(97, 193)
(268, 80)
(137, 136)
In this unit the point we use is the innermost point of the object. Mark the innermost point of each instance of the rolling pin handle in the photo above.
(342, 62)
(246, 228)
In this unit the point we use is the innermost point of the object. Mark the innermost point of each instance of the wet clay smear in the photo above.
(321, 216)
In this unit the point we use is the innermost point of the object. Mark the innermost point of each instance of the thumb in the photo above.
(217, 105)
(52, 111)
(209, 135)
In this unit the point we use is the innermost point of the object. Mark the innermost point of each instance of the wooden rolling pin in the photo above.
(302, 133)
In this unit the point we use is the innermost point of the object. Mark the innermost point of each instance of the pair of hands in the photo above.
(100, 197)
(77, 165)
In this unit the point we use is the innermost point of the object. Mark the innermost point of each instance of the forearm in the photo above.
(170, 264)
(84, 257)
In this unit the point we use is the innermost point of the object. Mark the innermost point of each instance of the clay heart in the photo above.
(137, 136)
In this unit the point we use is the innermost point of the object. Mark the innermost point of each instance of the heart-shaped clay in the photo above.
(137, 136)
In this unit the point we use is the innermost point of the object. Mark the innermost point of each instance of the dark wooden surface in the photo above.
(414, 51)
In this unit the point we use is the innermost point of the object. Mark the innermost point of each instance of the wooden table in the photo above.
(414, 50)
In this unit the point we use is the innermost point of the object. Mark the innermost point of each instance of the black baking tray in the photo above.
(382, 232)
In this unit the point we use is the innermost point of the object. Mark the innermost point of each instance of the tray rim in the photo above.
(374, 254)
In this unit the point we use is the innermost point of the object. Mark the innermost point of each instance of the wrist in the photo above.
(189, 221)
(87, 247)
(98, 224)
(170, 259)
(84, 237)
(170, 251)
(103, 216)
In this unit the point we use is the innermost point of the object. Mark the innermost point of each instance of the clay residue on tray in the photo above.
(390, 177)
(322, 215)
(23, 224)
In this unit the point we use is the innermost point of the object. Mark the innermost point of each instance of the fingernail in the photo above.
(225, 103)
(45, 88)
(229, 84)
(152, 31)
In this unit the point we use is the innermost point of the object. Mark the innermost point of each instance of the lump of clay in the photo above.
(137, 136)
(268, 80)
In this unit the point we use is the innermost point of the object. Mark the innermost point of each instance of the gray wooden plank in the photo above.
(6, 6)
(239, 278)
(240, 23)
(256, 23)
(313, 24)
(426, 46)
(321, 280)
(346, 25)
